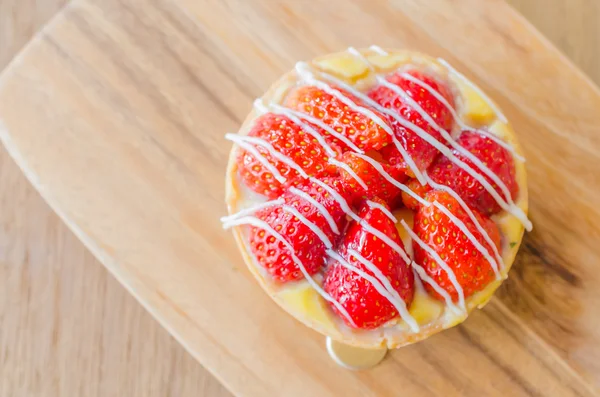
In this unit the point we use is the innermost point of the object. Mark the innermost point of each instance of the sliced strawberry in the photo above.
(273, 255)
(420, 190)
(417, 148)
(378, 186)
(495, 157)
(365, 305)
(438, 231)
(358, 128)
(288, 139)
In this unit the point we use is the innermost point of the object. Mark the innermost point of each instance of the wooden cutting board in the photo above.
(116, 114)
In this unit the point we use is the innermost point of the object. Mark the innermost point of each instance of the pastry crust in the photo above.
(353, 71)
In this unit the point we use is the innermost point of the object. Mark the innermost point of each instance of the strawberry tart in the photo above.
(376, 195)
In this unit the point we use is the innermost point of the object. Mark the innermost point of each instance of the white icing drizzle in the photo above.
(240, 142)
(314, 228)
(507, 205)
(390, 179)
(380, 283)
(381, 208)
(253, 221)
(436, 287)
(305, 74)
(378, 50)
(440, 262)
(396, 300)
(350, 171)
(250, 210)
(448, 138)
(461, 225)
(295, 115)
(391, 243)
(338, 198)
(354, 52)
(471, 216)
(498, 112)
(307, 128)
(239, 139)
(260, 107)
(457, 118)
(320, 207)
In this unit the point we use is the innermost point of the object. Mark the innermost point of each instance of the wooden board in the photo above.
(121, 127)
(69, 328)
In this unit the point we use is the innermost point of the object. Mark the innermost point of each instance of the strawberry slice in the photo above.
(358, 296)
(361, 130)
(439, 232)
(274, 255)
(377, 185)
(498, 159)
(288, 139)
(421, 152)
(420, 190)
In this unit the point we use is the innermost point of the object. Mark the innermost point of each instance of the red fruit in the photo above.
(365, 305)
(438, 231)
(495, 157)
(378, 186)
(421, 152)
(358, 128)
(420, 190)
(273, 255)
(288, 139)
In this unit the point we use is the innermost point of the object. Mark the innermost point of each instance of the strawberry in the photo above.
(365, 305)
(438, 231)
(495, 157)
(418, 149)
(273, 255)
(378, 186)
(418, 189)
(358, 128)
(288, 139)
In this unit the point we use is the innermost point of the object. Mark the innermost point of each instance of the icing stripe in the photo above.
(305, 73)
(248, 147)
(482, 167)
(295, 116)
(250, 210)
(512, 208)
(470, 236)
(391, 243)
(381, 208)
(378, 50)
(396, 300)
(471, 215)
(320, 207)
(390, 179)
(272, 151)
(338, 198)
(436, 287)
(350, 171)
(457, 119)
(314, 228)
(440, 262)
(474, 87)
(250, 220)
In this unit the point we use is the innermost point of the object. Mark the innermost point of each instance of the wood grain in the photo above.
(68, 327)
(535, 340)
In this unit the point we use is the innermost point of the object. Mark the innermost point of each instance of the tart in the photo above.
(378, 196)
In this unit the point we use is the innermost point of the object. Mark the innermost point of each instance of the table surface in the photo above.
(68, 327)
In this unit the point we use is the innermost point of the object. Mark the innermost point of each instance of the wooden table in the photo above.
(68, 328)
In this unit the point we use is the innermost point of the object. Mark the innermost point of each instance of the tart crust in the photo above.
(298, 298)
